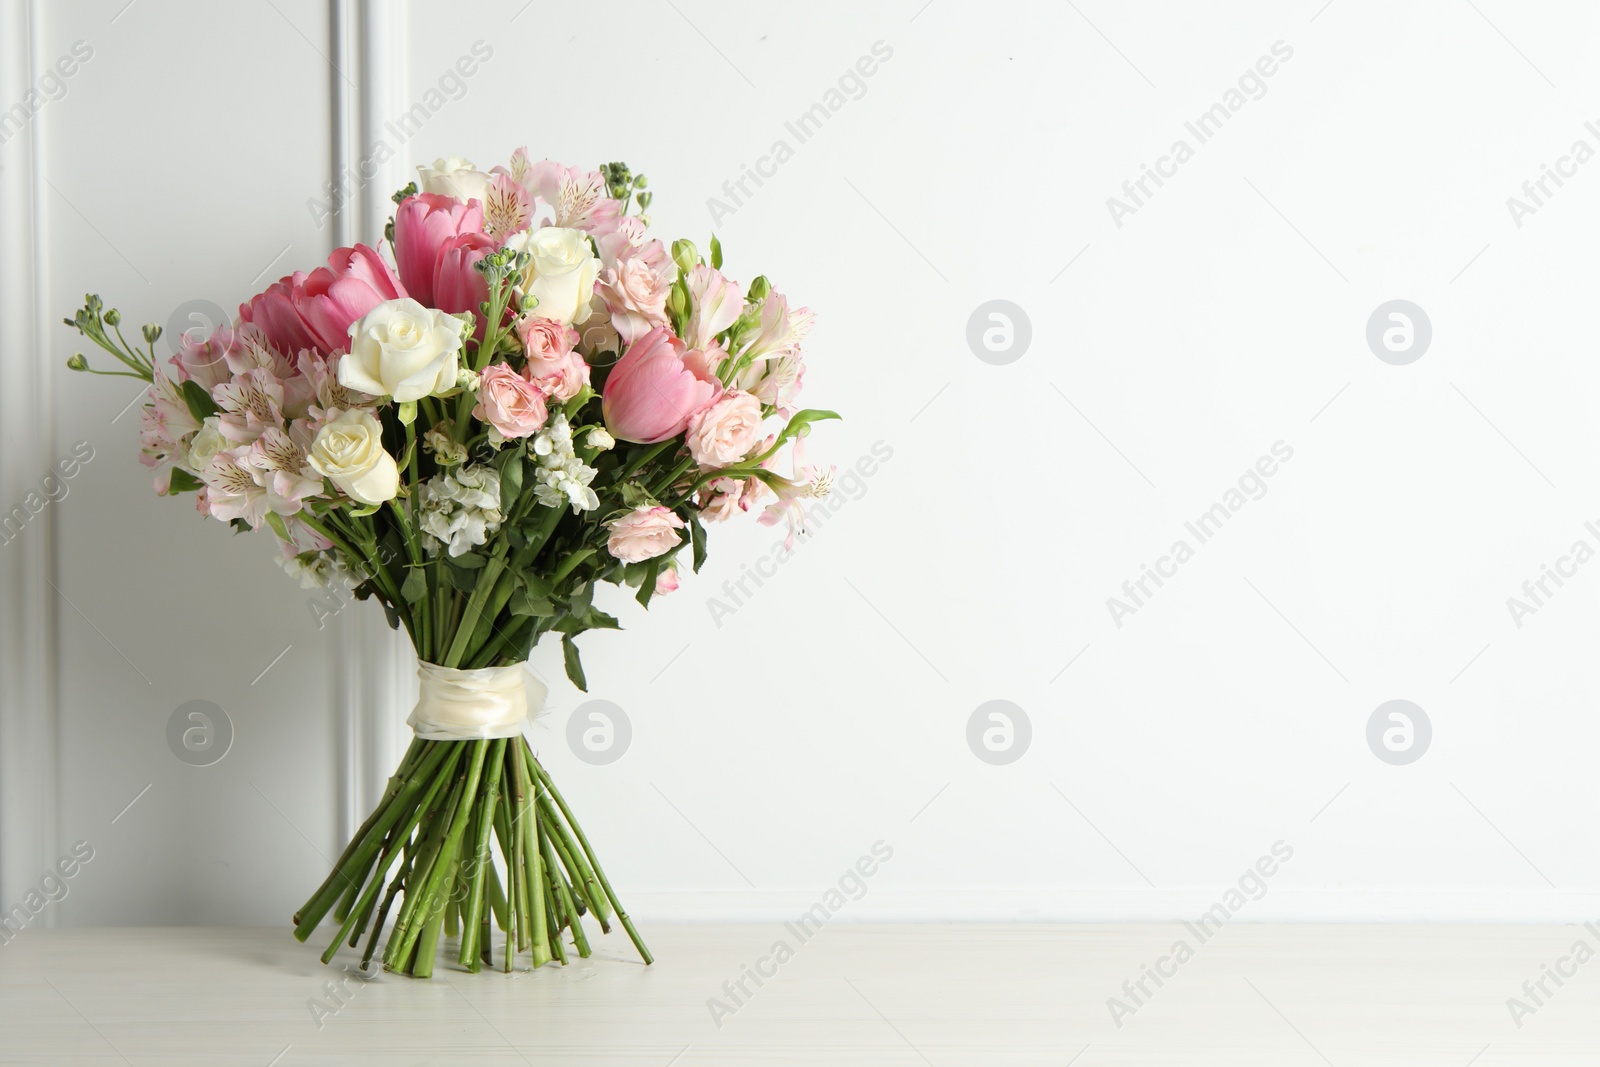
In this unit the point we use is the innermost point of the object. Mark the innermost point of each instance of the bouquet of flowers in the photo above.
(526, 397)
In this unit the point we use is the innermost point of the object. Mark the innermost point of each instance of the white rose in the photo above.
(348, 450)
(205, 444)
(457, 177)
(404, 350)
(562, 275)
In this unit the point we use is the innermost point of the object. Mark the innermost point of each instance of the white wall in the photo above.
(1226, 314)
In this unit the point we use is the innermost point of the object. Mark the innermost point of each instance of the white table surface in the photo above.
(884, 995)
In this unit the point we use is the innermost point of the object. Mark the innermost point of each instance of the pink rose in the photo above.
(667, 581)
(651, 394)
(509, 402)
(566, 381)
(635, 290)
(547, 343)
(644, 533)
(552, 364)
(722, 434)
(424, 226)
(724, 500)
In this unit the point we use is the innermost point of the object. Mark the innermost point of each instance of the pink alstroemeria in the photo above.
(782, 330)
(250, 404)
(231, 489)
(577, 198)
(280, 468)
(806, 483)
(717, 304)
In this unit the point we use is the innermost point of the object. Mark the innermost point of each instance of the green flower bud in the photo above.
(113, 317)
(685, 254)
(77, 362)
(151, 332)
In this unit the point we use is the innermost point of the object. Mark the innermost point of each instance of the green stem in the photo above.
(599, 873)
(473, 911)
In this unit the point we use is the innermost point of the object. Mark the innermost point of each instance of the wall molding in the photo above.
(374, 679)
(29, 711)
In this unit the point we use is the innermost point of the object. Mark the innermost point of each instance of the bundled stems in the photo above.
(427, 856)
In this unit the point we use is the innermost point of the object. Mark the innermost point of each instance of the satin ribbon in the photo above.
(458, 705)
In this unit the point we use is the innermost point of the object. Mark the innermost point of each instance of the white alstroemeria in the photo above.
(560, 477)
(461, 508)
(599, 439)
(316, 570)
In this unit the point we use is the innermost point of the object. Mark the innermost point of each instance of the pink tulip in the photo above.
(355, 281)
(274, 312)
(314, 311)
(651, 394)
(457, 285)
(424, 226)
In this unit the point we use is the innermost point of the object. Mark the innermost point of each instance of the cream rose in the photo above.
(457, 177)
(349, 452)
(404, 350)
(562, 275)
(205, 444)
(724, 433)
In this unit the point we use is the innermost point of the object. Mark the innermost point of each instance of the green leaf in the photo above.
(275, 521)
(697, 540)
(511, 481)
(716, 253)
(581, 599)
(647, 587)
(468, 561)
(569, 655)
(415, 587)
(537, 586)
(201, 406)
(183, 482)
(524, 603)
(464, 580)
(801, 421)
(391, 614)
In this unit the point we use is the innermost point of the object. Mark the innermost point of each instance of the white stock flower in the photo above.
(403, 350)
(560, 476)
(562, 274)
(461, 508)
